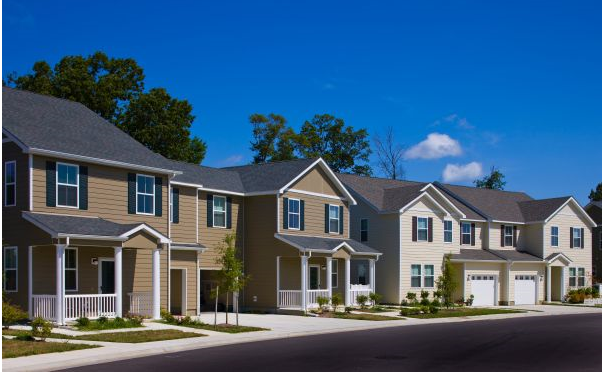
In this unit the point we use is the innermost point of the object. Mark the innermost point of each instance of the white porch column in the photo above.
(278, 281)
(118, 282)
(329, 276)
(548, 284)
(60, 282)
(156, 284)
(373, 275)
(304, 282)
(30, 281)
(348, 300)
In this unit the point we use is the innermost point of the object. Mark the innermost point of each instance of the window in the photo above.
(576, 237)
(508, 236)
(145, 194)
(71, 269)
(10, 269)
(429, 276)
(10, 183)
(333, 218)
(364, 230)
(335, 273)
(416, 277)
(294, 216)
(447, 231)
(576, 277)
(219, 211)
(466, 233)
(67, 185)
(554, 235)
(423, 229)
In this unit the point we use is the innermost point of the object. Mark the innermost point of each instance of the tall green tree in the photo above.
(446, 283)
(596, 195)
(272, 139)
(231, 276)
(162, 123)
(494, 180)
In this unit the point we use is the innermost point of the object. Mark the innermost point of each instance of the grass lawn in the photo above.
(366, 316)
(15, 348)
(226, 328)
(136, 337)
(95, 325)
(464, 311)
(17, 332)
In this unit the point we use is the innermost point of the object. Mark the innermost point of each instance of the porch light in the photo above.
(541, 278)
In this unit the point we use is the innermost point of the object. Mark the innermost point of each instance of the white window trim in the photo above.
(451, 230)
(577, 246)
(6, 184)
(146, 194)
(288, 216)
(414, 276)
(76, 269)
(363, 230)
(330, 218)
(424, 275)
(556, 235)
(577, 276)
(418, 218)
(66, 184)
(511, 235)
(335, 271)
(225, 211)
(16, 269)
(469, 233)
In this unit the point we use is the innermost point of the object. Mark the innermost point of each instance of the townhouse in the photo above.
(506, 248)
(594, 209)
(95, 224)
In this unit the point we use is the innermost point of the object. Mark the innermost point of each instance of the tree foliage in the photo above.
(494, 180)
(596, 195)
(344, 149)
(231, 276)
(446, 283)
(389, 154)
(114, 89)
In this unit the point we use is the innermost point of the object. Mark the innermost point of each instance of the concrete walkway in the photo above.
(281, 326)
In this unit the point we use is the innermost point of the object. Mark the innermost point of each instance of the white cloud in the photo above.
(466, 172)
(435, 146)
(454, 119)
(231, 160)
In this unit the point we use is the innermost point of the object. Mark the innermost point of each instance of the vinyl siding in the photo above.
(495, 241)
(317, 181)
(185, 231)
(314, 215)
(187, 260)
(533, 242)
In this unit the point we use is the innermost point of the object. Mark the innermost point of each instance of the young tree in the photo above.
(494, 180)
(596, 195)
(231, 276)
(389, 154)
(446, 283)
(272, 139)
(162, 124)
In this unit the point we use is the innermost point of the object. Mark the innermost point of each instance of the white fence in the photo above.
(44, 306)
(313, 294)
(289, 299)
(358, 290)
(90, 306)
(141, 303)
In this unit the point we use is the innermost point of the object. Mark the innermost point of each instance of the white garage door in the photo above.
(483, 289)
(524, 289)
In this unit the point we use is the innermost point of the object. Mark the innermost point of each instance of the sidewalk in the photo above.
(282, 326)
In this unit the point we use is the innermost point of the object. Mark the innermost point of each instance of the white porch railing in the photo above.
(313, 294)
(141, 303)
(89, 305)
(289, 299)
(44, 306)
(357, 290)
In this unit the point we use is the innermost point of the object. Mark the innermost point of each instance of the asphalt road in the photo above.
(549, 343)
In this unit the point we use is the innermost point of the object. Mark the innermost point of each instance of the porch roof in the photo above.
(475, 254)
(320, 244)
(516, 256)
(87, 227)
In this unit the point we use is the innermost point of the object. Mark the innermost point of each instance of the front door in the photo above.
(107, 276)
(314, 277)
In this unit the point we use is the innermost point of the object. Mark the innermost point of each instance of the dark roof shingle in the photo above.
(326, 244)
(77, 225)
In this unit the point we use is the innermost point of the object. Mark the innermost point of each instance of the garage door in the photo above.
(524, 289)
(483, 289)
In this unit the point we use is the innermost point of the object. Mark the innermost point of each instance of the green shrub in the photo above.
(82, 322)
(361, 300)
(424, 295)
(374, 298)
(409, 311)
(575, 296)
(12, 314)
(348, 309)
(436, 303)
(135, 319)
(167, 317)
(404, 302)
(322, 302)
(24, 336)
(336, 300)
(425, 302)
(102, 319)
(437, 294)
(411, 296)
(425, 309)
(41, 328)
(433, 309)
(469, 301)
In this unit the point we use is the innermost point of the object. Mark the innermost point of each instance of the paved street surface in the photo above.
(549, 343)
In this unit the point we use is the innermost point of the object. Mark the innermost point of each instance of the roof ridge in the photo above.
(378, 178)
(269, 163)
(488, 190)
(48, 96)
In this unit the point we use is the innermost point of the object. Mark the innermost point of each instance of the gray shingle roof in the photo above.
(475, 254)
(76, 225)
(54, 124)
(210, 178)
(539, 210)
(270, 176)
(514, 255)
(327, 244)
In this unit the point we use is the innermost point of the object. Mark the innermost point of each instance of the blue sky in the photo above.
(465, 85)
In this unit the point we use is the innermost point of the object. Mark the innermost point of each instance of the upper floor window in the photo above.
(10, 183)
(466, 233)
(219, 211)
(145, 194)
(577, 237)
(576, 277)
(10, 269)
(294, 214)
(364, 230)
(71, 269)
(509, 236)
(554, 236)
(447, 231)
(67, 185)
(422, 229)
(333, 218)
